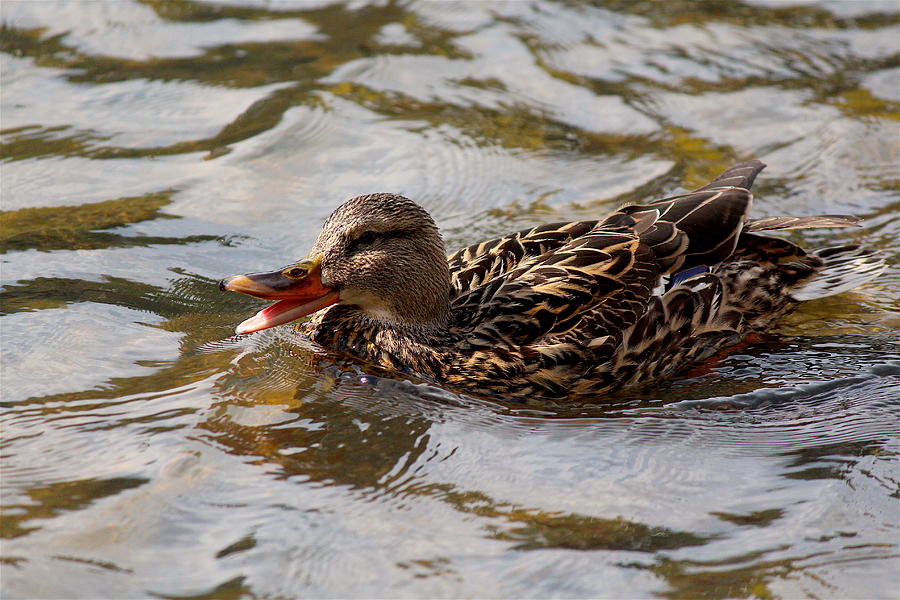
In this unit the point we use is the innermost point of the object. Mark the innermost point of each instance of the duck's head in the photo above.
(381, 254)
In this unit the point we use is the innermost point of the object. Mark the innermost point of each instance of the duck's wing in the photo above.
(597, 284)
(705, 213)
(550, 295)
(699, 228)
(478, 264)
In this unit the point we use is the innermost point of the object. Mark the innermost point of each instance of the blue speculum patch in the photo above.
(686, 274)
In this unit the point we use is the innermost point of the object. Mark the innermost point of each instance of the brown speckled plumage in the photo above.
(567, 310)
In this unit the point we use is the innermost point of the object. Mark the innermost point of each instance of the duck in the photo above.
(560, 312)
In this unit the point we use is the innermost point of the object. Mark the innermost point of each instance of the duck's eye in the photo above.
(296, 272)
(366, 238)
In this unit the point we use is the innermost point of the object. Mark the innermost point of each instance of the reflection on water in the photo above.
(149, 147)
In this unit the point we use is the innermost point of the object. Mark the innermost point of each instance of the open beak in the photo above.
(297, 288)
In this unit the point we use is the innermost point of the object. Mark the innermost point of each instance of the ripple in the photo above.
(136, 32)
(133, 113)
(70, 347)
(859, 409)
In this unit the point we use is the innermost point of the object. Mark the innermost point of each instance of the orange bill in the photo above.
(297, 289)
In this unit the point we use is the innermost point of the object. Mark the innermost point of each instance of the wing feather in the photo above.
(478, 264)
(700, 228)
(564, 289)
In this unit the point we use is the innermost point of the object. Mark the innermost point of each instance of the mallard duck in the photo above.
(560, 311)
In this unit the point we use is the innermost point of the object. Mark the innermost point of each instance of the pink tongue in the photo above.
(284, 311)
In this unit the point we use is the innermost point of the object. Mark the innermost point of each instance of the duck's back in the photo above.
(580, 308)
(538, 284)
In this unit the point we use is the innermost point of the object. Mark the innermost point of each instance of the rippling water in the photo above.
(149, 148)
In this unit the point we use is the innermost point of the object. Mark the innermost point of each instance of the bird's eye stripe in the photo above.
(369, 237)
(365, 238)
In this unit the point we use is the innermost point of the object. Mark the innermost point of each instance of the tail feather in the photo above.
(819, 221)
(739, 176)
(844, 268)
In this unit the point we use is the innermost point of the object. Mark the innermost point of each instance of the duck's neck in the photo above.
(401, 346)
(431, 331)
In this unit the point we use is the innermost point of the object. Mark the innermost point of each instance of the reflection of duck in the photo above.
(560, 310)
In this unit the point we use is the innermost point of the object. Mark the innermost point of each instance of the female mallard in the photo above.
(561, 310)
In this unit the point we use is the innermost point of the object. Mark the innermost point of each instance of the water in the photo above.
(150, 148)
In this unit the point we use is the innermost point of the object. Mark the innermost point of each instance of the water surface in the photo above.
(150, 148)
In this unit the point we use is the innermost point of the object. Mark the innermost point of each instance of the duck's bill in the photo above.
(296, 296)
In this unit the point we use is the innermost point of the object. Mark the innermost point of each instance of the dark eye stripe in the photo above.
(367, 238)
